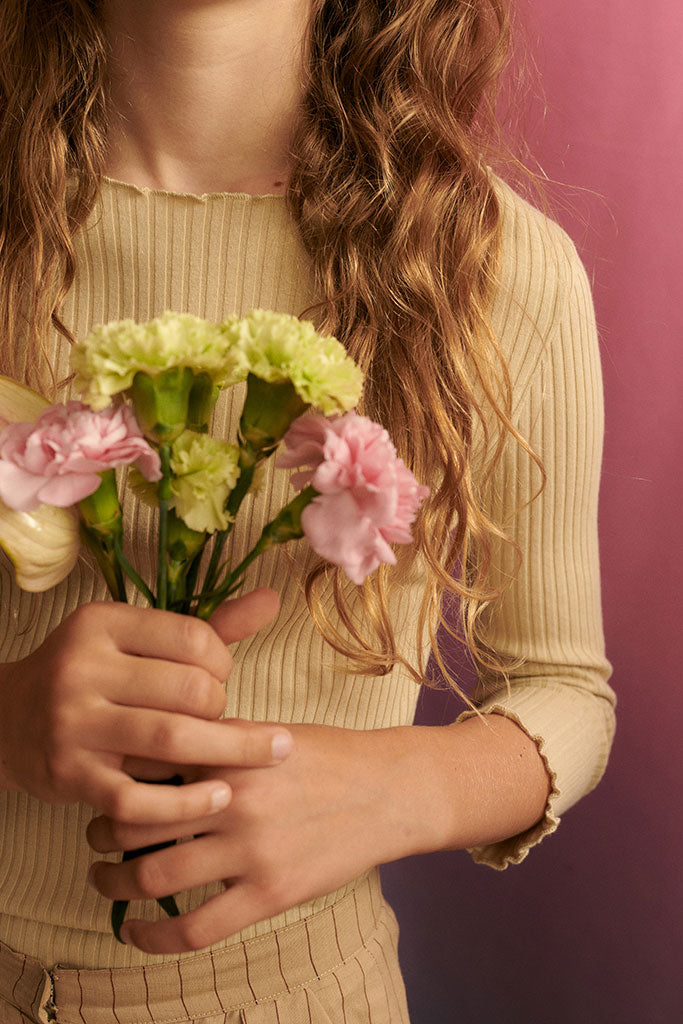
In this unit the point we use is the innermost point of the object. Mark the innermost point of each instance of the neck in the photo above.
(204, 94)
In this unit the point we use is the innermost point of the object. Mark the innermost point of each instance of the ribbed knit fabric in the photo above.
(145, 251)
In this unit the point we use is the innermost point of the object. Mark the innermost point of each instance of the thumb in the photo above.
(242, 616)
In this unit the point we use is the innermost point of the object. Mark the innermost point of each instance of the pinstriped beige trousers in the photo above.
(339, 966)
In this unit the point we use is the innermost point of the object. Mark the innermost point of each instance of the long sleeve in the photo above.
(550, 617)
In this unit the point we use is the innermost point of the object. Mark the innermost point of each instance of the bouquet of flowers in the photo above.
(148, 395)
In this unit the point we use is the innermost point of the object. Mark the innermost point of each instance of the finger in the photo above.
(242, 616)
(138, 803)
(153, 633)
(221, 916)
(151, 683)
(161, 736)
(106, 835)
(162, 873)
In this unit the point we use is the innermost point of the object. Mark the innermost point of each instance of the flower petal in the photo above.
(43, 545)
(19, 489)
(336, 531)
(64, 491)
(19, 402)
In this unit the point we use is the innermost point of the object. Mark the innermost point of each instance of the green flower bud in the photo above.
(203, 396)
(161, 402)
(101, 510)
(269, 409)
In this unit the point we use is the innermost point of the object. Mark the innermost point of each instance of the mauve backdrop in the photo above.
(587, 930)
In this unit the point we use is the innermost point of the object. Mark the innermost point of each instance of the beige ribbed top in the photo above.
(145, 251)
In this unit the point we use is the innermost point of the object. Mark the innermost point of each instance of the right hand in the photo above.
(115, 684)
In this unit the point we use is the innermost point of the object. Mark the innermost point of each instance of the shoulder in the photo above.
(538, 272)
(531, 240)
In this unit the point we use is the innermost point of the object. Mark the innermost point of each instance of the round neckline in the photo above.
(146, 190)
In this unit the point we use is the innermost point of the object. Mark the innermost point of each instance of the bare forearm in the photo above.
(465, 785)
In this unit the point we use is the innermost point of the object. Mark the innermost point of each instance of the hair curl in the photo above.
(397, 209)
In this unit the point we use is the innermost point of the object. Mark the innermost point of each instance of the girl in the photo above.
(323, 158)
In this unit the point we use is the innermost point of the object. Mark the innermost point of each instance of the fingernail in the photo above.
(220, 798)
(125, 935)
(92, 871)
(281, 745)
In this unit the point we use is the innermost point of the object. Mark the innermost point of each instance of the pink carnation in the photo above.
(57, 459)
(367, 497)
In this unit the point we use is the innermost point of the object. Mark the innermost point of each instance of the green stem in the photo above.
(285, 527)
(212, 570)
(100, 526)
(102, 547)
(191, 580)
(209, 602)
(164, 495)
(248, 459)
(132, 574)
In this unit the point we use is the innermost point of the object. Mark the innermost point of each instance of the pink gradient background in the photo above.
(588, 928)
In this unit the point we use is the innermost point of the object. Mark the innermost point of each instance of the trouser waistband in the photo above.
(220, 981)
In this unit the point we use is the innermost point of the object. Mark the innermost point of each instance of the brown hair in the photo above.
(397, 209)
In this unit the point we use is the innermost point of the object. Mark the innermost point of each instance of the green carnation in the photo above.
(108, 358)
(204, 472)
(276, 347)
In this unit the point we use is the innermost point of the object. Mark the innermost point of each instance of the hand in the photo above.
(114, 684)
(292, 832)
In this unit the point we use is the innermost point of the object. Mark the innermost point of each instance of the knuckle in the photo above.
(118, 835)
(58, 771)
(255, 746)
(171, 738)
(196, 638)
(198, 692)
(119, 804)
(227, 664)
(271, 894)
(149, 877)
(168, 740)
(68, 675)
(193, 934)
(187, 804)
(275, 895)
(87, 617)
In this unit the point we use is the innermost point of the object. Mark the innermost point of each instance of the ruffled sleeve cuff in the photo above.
(573, 732)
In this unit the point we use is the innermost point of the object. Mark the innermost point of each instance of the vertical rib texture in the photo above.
(144, 251)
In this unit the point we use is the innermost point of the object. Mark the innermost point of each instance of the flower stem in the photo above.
(164, 495)
(286, 526)
(132, 574)
(213, 566)
(248, 458)
(191, 580)
(101, 527)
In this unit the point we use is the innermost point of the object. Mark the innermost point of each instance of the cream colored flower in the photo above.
(42, 545)
(205, 470)
(107, 359)
(19, 403)
(276, 347)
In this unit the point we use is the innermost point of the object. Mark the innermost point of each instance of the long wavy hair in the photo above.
(397, 208)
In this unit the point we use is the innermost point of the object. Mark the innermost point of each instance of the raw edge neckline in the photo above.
(203, 198)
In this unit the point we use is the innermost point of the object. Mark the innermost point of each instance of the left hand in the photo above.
(335, 807)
